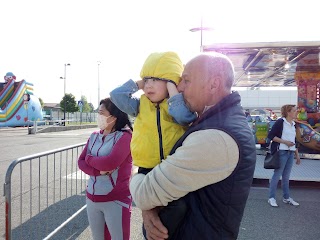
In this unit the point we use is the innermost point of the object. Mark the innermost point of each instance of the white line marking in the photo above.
(77, 175)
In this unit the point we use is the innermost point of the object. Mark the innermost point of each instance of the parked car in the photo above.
(258, 118)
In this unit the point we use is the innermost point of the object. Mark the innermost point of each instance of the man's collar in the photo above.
(206, 108)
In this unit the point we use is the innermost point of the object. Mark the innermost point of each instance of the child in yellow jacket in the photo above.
(161, 117)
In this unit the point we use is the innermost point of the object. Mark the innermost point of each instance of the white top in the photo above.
(288, 134)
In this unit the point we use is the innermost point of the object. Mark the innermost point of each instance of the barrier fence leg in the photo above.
(7, 194)
(35, 127)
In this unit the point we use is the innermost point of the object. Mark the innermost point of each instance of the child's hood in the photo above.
(163, 65)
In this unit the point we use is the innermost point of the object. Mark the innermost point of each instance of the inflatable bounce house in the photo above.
(18, 105)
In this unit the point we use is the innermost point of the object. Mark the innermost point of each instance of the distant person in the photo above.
(274, 116)
(161, 116)
(106, 158)
(210, 167)
(283, 135)
(247, 112)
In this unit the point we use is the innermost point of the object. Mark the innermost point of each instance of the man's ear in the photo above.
(215, 83)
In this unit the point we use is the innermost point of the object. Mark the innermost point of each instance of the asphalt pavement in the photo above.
(260, 221)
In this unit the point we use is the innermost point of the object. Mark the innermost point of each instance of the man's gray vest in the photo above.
(215, 211)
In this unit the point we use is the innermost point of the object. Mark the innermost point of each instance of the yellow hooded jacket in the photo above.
(155, 131)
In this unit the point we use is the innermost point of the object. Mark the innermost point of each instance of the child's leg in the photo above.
(145, 171)
(172, 215)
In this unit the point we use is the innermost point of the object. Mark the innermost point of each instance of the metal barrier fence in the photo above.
(41, 125)
(90, 117)
(42, 191)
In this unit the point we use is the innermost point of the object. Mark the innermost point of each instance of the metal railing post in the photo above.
(7, 194)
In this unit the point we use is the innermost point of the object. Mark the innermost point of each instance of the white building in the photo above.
(267, 97)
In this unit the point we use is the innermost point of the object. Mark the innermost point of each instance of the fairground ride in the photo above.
(282, 64)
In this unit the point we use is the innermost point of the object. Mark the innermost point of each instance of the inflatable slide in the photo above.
(18, 105)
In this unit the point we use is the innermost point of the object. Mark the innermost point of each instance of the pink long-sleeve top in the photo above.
(107, 153)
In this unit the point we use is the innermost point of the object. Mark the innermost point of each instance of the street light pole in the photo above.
(201, 28)
(65, 102)
(99, 82)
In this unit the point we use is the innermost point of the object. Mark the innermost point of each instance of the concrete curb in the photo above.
(61, 128)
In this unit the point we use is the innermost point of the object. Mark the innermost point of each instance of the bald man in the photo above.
(211, 166)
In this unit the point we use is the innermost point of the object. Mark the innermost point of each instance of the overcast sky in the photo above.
(38, 36)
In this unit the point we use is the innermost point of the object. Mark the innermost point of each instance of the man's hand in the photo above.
(154, 228)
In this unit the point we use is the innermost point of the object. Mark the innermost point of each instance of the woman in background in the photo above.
(106, 158)
(283, 134)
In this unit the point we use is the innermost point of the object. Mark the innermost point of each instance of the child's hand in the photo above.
(170, 85)
(140, 84)
(172, 89)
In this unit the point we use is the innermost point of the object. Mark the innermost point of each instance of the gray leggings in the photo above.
(112, 217)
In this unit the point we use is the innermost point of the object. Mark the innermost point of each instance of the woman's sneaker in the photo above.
(273, 202)
(291, 202)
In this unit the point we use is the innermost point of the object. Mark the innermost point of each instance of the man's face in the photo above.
(193, 86)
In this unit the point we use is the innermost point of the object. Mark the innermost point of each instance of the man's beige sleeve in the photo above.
(205, 157)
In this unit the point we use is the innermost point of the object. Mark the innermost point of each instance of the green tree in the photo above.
(86, 106)
(71, 104)
(91, 107)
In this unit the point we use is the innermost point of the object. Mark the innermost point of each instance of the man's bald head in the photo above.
(206, 79)
(216, 65)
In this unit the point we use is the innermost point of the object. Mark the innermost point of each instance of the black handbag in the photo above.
(272, 161)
